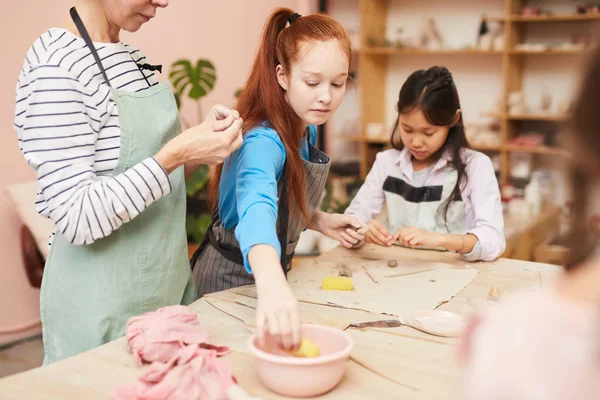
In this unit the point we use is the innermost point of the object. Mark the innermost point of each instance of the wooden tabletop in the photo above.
(386, 363)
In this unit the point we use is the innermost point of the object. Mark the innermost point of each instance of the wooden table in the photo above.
(391, 363)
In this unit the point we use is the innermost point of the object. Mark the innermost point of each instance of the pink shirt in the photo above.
(534, 347)
(480, 194)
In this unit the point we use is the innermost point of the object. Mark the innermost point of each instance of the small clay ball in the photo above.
(344, 270)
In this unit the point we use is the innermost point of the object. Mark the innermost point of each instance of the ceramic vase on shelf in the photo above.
(484, 37)
(429, 35)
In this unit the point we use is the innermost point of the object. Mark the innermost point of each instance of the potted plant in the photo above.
(195, 82)
(339, 193)
(198, 214)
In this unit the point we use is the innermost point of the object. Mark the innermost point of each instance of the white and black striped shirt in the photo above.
(68, 128)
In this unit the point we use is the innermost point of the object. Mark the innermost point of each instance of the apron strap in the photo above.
(283, 218)
(88, 41)
(233, 253)
(316, 156)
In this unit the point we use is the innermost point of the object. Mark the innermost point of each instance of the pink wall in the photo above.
(225, 32)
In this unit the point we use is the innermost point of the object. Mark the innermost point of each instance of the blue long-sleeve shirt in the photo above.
(248, 187)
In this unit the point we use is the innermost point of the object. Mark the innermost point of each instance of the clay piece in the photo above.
(493, 294)
(345, 270)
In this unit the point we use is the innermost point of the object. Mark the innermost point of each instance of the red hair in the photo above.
(263, 99)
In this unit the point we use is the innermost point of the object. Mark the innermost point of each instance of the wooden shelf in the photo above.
(508, 147)
(536, 150)
(487, 148)
(374, 69)
(528, 117)
(537, 117)
(555, 18)
(494, 115)
(392, 51)
(551, 52)
(364, 139)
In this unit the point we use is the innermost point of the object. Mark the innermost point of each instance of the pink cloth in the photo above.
(193, 374)
(159, 335)
(185, 365)
(537, 346)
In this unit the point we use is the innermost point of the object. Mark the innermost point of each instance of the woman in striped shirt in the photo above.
(105, 140)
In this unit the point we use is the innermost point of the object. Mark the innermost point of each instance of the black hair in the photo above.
(433, 91)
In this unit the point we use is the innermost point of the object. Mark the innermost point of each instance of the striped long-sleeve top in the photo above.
(68, 130)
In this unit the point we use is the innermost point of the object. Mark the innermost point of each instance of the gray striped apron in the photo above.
(418, 206)
(218, 263)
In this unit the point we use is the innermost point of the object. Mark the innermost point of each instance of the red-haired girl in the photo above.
(269, 191)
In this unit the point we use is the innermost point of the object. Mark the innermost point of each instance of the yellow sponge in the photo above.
(336, 283)
(307, 349)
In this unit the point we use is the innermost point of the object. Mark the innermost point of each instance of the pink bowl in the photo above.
(304, 377)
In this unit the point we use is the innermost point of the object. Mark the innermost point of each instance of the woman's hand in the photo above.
(219, 112)
(207, 143)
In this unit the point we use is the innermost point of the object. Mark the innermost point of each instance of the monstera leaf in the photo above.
(200, 79)
(195, 81)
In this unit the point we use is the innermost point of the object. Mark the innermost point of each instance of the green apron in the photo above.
(89, 292)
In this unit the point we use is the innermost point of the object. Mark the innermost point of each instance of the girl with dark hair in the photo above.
(439, 193)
